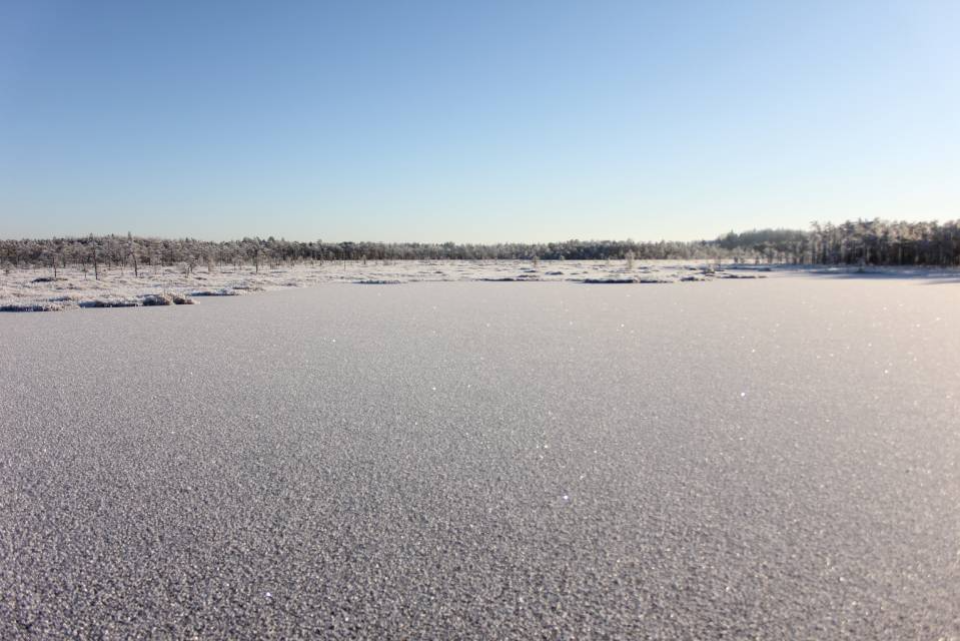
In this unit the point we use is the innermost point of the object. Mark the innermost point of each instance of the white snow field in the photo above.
(39, 290)
(769, 459)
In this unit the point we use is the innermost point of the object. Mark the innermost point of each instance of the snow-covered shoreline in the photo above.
(37, 290)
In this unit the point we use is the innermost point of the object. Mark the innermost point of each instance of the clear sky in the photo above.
(474, 121)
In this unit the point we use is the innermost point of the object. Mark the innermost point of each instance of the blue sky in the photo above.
(474, 122)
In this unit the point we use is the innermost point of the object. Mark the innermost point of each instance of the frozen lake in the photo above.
(776, 458)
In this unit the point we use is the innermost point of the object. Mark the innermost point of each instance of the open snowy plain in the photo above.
(775, 458)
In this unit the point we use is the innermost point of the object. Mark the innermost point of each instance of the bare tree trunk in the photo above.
(133, 255)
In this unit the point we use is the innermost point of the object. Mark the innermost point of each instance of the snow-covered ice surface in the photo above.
(776, 459)
(36, 290)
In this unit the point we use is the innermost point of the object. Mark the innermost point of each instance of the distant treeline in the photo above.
(872, 242)
(861, 242)
(136, 252)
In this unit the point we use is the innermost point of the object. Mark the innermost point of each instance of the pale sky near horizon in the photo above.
(474, 122)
